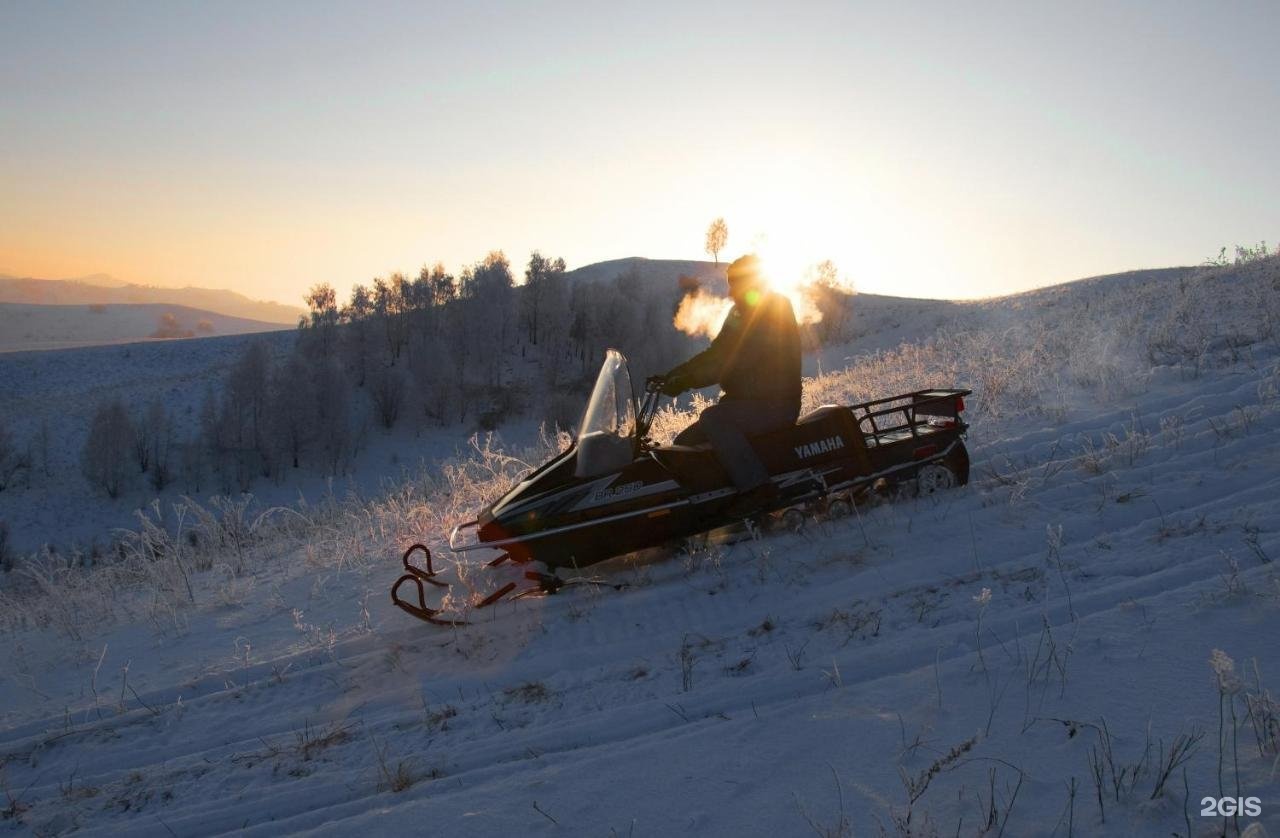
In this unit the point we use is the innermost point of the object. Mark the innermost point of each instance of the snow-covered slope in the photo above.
(733, 692)
(26, 327)
(59, 390)
(1020, 656)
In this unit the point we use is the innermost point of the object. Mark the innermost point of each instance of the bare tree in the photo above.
(717, 237)
(142, 442)
(41, 446)
(107, 449)
(11, 461)
(213, 439)
(291, 408)
(386, 387)
(159, 424)
(191, 462)
(6, 557)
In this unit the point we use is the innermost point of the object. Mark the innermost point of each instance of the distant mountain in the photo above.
(103, 289)
(24, 326)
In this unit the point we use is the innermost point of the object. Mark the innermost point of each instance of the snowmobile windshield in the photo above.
(611, 409)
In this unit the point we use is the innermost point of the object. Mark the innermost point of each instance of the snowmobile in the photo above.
(613, 491)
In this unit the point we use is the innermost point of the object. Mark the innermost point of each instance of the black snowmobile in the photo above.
(615, 492)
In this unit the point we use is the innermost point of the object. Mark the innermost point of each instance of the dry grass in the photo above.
(531, 692)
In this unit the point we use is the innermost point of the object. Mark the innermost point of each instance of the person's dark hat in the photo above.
(745, 271)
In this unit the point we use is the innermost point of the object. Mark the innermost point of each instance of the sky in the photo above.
(928, 149)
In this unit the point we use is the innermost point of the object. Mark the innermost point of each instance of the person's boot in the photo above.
(752, 501)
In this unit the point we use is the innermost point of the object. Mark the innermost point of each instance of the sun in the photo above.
(789, 266)
(792, 230)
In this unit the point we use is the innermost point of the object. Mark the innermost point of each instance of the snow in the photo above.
(978, 646)
(40, 327)
(60, 389)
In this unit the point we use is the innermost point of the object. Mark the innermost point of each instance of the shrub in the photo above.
(6, 558)
(11, 460)
(108, 448)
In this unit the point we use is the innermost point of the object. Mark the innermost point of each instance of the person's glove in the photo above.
(673, 384)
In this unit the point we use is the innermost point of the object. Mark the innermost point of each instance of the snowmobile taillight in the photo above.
(959, 404)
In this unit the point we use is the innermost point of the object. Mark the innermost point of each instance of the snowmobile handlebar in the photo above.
(648, 407)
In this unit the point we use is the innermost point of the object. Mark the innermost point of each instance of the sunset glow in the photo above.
(924, 151)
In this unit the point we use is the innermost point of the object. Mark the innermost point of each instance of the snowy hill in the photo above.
(650, 271)
(1079, 642)
(100, 289)
(60, 390)
(25, 327)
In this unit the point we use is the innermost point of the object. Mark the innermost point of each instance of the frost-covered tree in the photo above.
(108, 448)
(331, 417)
(833, 297)
(583, 321)
(244, 402)
(487, 313)
(322, 316)
(291, 409)
(356, 334)
(542, 290)
(436, 381)
(444, 289)
(717, 238)
(386, 387)
(389, 311)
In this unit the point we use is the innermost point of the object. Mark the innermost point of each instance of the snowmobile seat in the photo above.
(822, 435)
(826, 411)
(694, 466)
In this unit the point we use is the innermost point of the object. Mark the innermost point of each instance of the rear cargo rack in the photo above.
(906, 415)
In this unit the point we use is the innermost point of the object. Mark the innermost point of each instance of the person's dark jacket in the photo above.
(756, 355)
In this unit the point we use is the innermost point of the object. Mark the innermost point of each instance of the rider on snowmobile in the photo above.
(756, 361)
